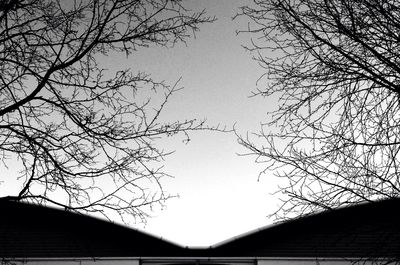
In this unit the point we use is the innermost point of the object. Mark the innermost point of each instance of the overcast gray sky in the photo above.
(219, 193)
(220, 196)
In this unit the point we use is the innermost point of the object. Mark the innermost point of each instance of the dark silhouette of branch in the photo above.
(83, 137)
(334, 65)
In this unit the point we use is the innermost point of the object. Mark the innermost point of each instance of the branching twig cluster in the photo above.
(84, 137)
(335, 67)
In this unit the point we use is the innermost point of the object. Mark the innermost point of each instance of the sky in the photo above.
(220, 194)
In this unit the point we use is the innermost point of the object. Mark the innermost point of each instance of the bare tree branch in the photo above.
(81, 136)
(334, 65)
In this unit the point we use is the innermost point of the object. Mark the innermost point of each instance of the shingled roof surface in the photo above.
(33, 231)
(366, 230)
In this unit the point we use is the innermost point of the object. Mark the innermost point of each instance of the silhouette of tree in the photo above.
(81, 136)
(334, 65)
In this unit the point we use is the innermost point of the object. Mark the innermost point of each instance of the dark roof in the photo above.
(366, 230)
(28, 230)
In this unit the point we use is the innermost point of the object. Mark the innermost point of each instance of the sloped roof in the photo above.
(28, 230)
(366, 230)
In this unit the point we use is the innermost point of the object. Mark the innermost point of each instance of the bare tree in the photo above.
(334, 65)
(81, 136)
